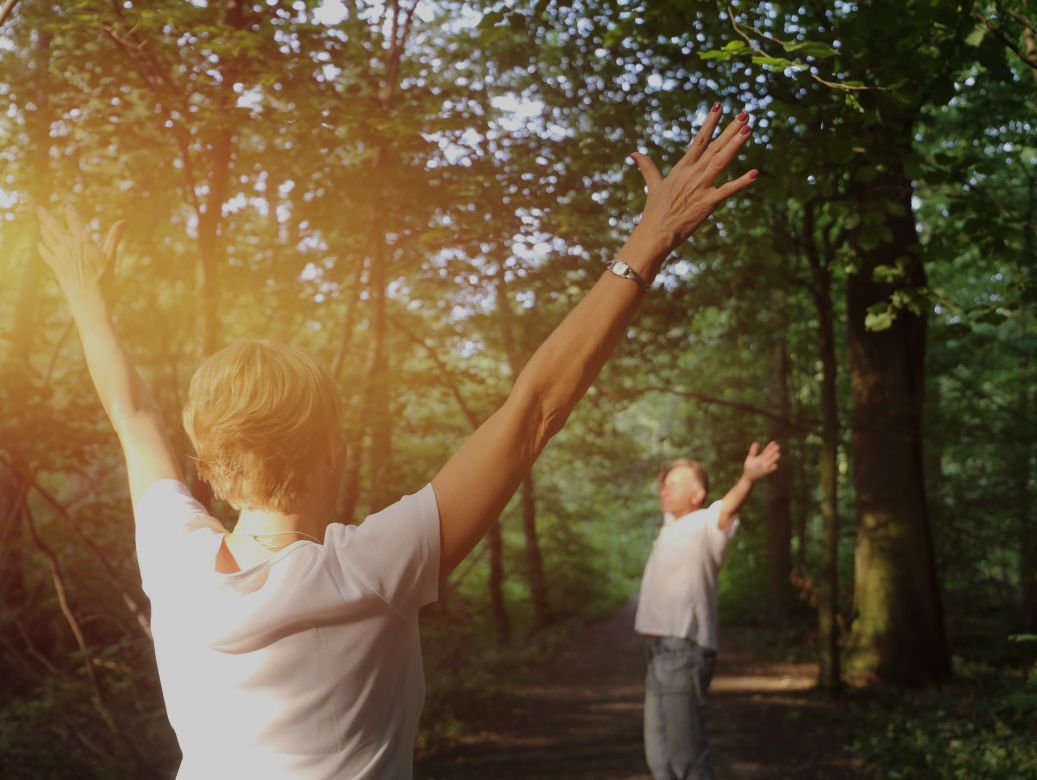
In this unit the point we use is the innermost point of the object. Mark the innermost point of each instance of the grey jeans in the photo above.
(679, 673)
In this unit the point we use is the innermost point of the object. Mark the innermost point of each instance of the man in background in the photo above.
(677, 612)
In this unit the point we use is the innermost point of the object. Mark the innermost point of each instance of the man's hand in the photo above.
(759, 464)
(78, 263)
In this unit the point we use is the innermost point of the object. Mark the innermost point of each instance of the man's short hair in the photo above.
(260, 415)
(697, 469)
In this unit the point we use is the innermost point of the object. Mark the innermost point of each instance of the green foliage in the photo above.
(982, 728)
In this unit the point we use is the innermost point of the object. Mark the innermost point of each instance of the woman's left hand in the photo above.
(72, 254)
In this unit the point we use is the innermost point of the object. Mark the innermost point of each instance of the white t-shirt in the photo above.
(679, 588)
(307, 665)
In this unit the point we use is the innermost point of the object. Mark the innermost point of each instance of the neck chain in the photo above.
(258, 540)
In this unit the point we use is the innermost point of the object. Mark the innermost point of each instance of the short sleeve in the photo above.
(719, 539)
(396, 551)
(173, 531)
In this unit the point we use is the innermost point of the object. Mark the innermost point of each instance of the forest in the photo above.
(417, 191)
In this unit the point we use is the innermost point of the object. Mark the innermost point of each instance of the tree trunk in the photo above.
(828, 575)
(210, 250)
(534, 565)
(18, 378)
(779, 484)
(376, 383)
(803, 500)
(534, 561)
(898, 634)
(1028, 414)
(496, 584)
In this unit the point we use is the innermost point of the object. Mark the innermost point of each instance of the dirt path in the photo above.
(582, 718)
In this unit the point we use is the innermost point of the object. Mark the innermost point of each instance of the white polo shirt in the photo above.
(307, 665)
(679, 588)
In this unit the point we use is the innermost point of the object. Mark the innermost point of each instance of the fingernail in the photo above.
(716, 107)
(633, 159)
(742, 117)
(753, 173)
(745, 130)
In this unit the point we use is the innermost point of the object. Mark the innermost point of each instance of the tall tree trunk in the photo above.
(376, 384)
(377, 388)
(779, 485)
(534, 561)
(828, 575)
(18, 379)
(898, 634)
(1027, 417)
(534, 565)
(496, 584)
(803, 499)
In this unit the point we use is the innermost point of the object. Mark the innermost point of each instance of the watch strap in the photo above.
(620, 268)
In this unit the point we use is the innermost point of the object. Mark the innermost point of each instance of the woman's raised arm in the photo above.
(79, 265)
(477, 482)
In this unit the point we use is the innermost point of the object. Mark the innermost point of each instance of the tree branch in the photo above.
(804, 424)
(8, 7)
(1000, 35)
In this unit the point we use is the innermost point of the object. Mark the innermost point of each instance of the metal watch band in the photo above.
(620, 268)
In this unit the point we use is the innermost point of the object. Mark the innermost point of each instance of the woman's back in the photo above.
(307, 665)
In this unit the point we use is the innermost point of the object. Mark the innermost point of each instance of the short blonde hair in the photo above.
(260, 415)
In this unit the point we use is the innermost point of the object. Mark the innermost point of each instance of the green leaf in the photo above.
(776, 63)
(879, 317)
(975, 38)
(811, 49)
(886, 274)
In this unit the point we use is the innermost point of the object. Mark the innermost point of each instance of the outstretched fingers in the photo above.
(648, 169)
(735, 186)
(51, 231)
(75, 223)
(111, 241)
(730, 142)
(702, 138)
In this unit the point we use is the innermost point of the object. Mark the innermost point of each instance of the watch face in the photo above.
(620, 267)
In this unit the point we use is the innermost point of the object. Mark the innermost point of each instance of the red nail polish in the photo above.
(753, 173)
(716, 107)
(745, 130)
(633, 159)
(742, 117)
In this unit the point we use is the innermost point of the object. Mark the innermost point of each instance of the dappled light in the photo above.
(785, 254)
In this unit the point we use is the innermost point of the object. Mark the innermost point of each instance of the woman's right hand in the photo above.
(682, 200)
(75, 258)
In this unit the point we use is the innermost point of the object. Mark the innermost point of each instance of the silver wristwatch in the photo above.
(620, 268)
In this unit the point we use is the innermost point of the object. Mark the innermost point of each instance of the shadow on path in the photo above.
(581, 718)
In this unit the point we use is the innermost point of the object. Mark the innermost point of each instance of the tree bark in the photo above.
(18, 379)
(534, 564)
(1028, 414)
(779, 485)
(898, 634)
(495, 539)
(828, 574)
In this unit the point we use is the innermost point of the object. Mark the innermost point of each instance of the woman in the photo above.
(289, 648)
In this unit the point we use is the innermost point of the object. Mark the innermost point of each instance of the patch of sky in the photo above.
(252, 99)
(330, 12)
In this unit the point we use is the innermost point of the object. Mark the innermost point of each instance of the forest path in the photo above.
(581, 718)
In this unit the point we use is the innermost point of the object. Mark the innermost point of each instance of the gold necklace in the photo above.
(255, 538)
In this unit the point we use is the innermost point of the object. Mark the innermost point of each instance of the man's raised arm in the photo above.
(477, 482)
(757, 465)
(79, 265)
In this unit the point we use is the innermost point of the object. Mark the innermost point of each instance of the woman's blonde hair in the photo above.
(260, 416)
